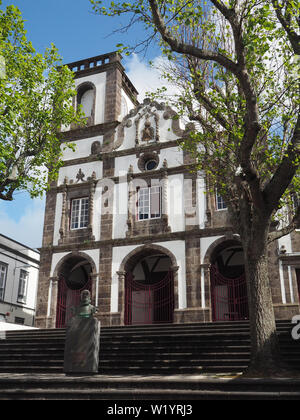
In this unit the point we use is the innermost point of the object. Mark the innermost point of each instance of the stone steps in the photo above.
(139, 389)
(167, 349)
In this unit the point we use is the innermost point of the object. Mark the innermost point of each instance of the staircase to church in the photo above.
(137, 363)
(146, 350)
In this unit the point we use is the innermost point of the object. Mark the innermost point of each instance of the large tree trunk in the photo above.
(265, 353)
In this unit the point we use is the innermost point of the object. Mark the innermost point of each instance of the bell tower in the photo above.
(77, 214)
(103, 88)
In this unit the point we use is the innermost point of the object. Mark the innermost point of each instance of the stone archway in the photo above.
(74, 273)
(227, 282)
(86, 97)
(148, 286)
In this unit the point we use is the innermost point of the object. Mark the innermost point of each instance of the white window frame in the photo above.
(144, 200)
(220, 203)
(23, 285)
(3, 277)
(79, 218)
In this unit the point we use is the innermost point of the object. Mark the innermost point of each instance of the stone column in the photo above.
(121, 295)
(93, 184)
(131, 197)
(95, 288)
(104, 288)
(174, 269)
(206, 289)
(113, 91)
(193, 286)
(63, 220)
(53, 302)
(164, 200)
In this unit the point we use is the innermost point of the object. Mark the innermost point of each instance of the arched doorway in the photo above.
(74, 276)
(229, 297)
(149, 288)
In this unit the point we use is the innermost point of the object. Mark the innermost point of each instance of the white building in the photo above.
(128, 220)
(19, 268)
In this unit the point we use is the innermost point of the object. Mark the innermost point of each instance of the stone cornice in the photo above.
(155, 174)
(137, 151)
(290, 259)
(84, 133)
(163, 237)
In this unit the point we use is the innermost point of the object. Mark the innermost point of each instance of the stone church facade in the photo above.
(129, 220)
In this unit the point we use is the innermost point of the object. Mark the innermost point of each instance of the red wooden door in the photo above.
(67, 301)
(298, 280)
(149, 303)
(229, 297)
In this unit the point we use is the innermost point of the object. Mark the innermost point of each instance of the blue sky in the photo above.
(77, 33)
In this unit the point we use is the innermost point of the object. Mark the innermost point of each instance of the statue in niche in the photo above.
(148, 132)
(96, 148)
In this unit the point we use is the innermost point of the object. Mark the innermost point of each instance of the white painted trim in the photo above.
(291, 284)
(202, 287)
(97, 291)
(49, 298)
(205, 243)
(282, 286)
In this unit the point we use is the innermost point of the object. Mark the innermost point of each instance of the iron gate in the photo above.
(298, 280)
(229, 297)
(67, 300)
(149, 304)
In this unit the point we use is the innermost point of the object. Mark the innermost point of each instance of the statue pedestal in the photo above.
(82, 346)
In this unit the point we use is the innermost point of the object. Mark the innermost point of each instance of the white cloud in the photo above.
(28, 229)
(148, 78)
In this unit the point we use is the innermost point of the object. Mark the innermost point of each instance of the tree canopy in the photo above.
(35, 102)
(236, 63)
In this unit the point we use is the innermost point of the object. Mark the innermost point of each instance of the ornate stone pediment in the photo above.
(147, 125)
(150, 122)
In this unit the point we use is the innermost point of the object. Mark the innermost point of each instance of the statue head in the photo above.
(85, 297)
(85, 309)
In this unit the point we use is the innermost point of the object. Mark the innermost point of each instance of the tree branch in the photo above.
(198, 117)
(183, 48)
(285, 172)
(295, 223)
(285, 21)
(209, 106)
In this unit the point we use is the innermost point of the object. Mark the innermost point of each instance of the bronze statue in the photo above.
(85, 309)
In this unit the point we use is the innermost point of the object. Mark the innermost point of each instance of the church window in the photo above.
(150, 165)
(87, 101)
(86, 98)
(148, 161)
(22, 290)
(220, 203)
(3, 272)
(149, 203)
(80, 213)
